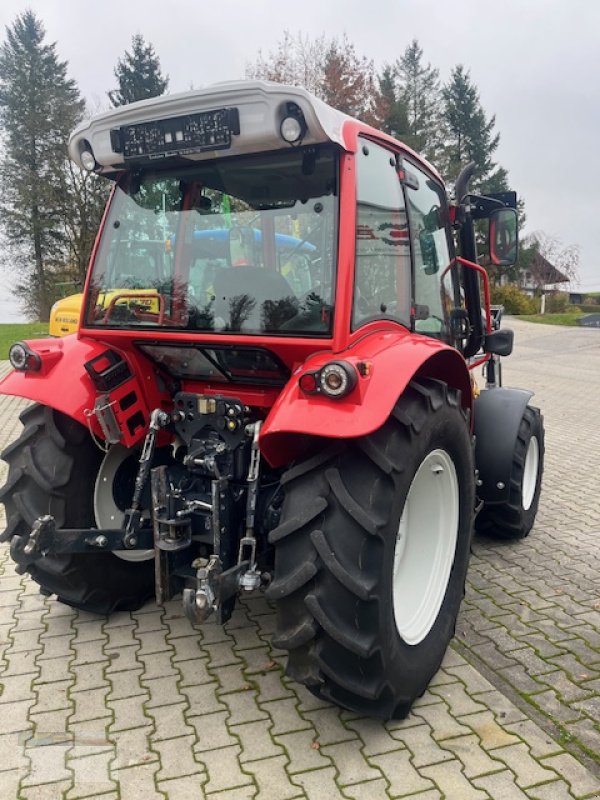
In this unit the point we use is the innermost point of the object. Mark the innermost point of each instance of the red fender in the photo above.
(391, 360)
(63, 384)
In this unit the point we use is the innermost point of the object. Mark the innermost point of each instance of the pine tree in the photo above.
(470, 134)
(39, 106)
(347, 82)
(391, 110)
(138, 74)
(85, 195)
(419, 91)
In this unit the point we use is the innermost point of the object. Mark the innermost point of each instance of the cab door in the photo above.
(436, 295)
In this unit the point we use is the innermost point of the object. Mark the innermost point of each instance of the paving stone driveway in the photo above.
(143, 706)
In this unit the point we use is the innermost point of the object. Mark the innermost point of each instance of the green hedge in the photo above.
(514, 300)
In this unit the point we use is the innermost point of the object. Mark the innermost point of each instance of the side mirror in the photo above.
(504, 237)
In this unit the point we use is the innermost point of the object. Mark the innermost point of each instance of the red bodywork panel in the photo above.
(393, 357)
(63, 384)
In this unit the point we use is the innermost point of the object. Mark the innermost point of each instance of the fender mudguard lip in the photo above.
(392, 360)
(62, 382)
(497, 417)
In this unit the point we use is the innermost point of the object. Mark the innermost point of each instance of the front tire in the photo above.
(368, 579)
(52, 469)
(514, 518)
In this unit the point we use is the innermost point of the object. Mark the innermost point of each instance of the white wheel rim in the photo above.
(530, 472)
(106, 511)
(425, 546)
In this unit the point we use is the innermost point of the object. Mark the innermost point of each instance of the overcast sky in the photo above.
(536, 64)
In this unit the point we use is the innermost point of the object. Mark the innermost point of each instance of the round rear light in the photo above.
(17, 355)
(337, 379)
(21, 357)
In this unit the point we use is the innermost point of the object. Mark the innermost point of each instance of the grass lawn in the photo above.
(568, 318)
(9, 334)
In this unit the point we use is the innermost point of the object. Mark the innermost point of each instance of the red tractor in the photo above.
(270, 386)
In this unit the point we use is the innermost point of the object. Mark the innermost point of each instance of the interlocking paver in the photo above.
(303, 751)
(256, 740)
(350, 762)
(443, 724)
(318, 783)
(456, 696)
(375, 737)
(212, 731)
(452, 782)
(47, 762)
(128, 713)
(403, 778)
(368, 790)
(490, 733)
(48, 791)
(270, 686)
(242, 706)
(133, 747)
(528, 771)
(272, 779)
(91, 775)
(474, 759)
(501, 786)
(176, 758)
(285, 716)
(578, 778)
(539, 743)
(138, 783)
(224, 771)
(90, 704)
(329, 728)
(422, 746)
(9, 782)
(191, 787)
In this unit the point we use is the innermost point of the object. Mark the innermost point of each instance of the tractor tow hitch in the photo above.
(214, 585)
(45, 539)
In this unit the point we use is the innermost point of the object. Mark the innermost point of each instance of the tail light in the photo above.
(336, 379)
(22, 358)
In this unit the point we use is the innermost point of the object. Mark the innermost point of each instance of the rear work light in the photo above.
(336, 379)
(23, 358)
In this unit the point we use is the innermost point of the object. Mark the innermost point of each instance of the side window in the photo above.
(382, 273)
(434, 283)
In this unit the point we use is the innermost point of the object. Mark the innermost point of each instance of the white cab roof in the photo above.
(261, 106)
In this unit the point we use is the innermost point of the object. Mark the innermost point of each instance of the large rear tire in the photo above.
(514, 518)
(371, 555)
(52, 469)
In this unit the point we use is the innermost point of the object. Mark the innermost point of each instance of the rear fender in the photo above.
(63, 383)
(389, 360)
(498, 413)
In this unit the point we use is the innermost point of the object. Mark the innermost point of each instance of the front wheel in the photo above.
(514, 517)
(371, 555)
(53, 468)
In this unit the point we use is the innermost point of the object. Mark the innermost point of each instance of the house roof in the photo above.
(546, 273)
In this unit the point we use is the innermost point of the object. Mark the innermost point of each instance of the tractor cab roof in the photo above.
(224, 119)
